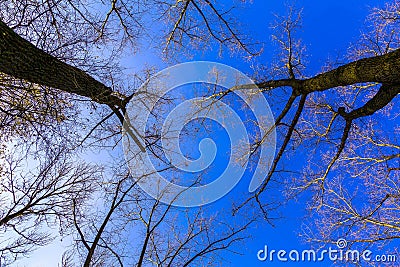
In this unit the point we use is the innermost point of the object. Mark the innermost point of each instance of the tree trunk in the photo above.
(22, 60)
(384, 69)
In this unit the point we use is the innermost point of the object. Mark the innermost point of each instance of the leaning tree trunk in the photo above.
(22, 60)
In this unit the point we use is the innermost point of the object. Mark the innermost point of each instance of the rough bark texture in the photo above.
(383, 69)
(22, 60)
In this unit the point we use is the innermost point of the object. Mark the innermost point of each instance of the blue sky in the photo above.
(329, 27)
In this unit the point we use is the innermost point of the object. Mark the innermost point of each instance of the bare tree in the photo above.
(47, 75)
(340, 117)
(338, 114)
(359, 199)
(132, 229)
(35, 200)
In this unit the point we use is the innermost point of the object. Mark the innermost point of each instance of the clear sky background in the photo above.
(329, 27)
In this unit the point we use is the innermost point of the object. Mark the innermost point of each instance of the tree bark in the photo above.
(22, 60)
(383, 69)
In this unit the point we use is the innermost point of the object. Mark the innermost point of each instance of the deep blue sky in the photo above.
(328, 29)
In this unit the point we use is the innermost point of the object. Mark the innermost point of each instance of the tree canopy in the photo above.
(64, 93)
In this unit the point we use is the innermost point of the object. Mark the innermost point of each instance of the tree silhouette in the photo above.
(50, 78)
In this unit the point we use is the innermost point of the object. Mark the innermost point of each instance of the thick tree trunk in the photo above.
(383, 69)
(22, 60)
